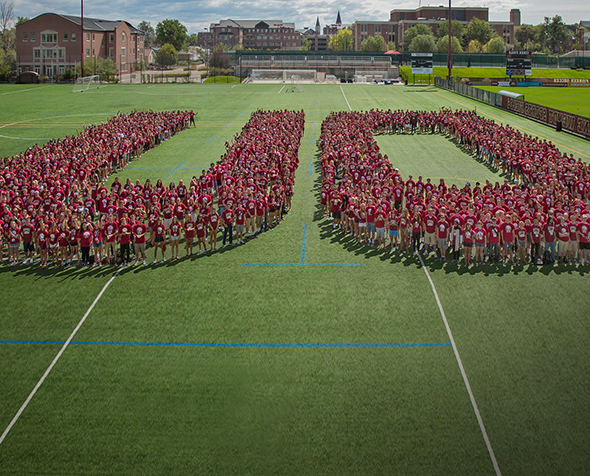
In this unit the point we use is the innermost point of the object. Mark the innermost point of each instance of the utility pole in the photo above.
(82, 37)
(450, 56)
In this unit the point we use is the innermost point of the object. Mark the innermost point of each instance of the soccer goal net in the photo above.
(85, 83)
(282, 75)
(296, 85)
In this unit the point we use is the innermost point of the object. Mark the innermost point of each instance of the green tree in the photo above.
(373, 43)
(167, 55)
(193, 39)
(7, 31)
(442, 45)
(479, 30)
(457, 29)
(105, 67)
(415, 31)
(423, 44)
(526, 33)
(172, 32)
(391, 46)
(21, 20)
(475, 46)
(495, 45)
(306, 44)
(555, 33)
(150, 34)
(341, 41)
(219, 57)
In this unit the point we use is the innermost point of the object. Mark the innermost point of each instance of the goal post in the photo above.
(85, 83)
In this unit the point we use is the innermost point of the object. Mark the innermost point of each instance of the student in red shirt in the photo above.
(467, 243)
(139, 232)
(110, 231)
(41, 236)
(240, 214)
(201, 230)
(521, 239)
(442, 235)
(124, 232)
(84, 241)
(159, 239)
(549, 233)
(584, 239)
(189, 234)
(535, 232)
(213, 229)
(479, 235)
(507, 235)
(27, 233)
(175, 230)
(227, 217)
(13, 242)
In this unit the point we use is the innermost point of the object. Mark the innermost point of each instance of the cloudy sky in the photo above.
(199, 14)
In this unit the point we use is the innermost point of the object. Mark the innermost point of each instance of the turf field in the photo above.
(341, 364)
(572, 99)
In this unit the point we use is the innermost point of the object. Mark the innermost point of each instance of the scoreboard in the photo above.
(518, 63)
(422, 63)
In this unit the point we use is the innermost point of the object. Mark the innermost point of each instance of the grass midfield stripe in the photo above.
(231, 344)
(59, 354)
(463, 373)
(349, 108)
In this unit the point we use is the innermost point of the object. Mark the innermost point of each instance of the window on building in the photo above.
(123, 52)
(37, 53)
(377, 28)
(123, 36)
(73, 37)
(93, 52)
(61, 53)
(111, 52)
(111, 37)
(25, 37)
(32, 37)
(65, 37)
(87, 52)
(92, 36)
(87, 36)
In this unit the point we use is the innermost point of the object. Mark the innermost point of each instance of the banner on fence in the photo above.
(569, 122)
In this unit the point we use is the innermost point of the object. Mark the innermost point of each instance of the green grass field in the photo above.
(572, 99)
(396, 406)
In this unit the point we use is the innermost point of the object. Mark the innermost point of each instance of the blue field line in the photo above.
(175, 169)
(229, 123)
(310, 163)
(264, 93)
(316, 103)
(241, 113)
(303, 249)
(211, 139)
(313, 123)
(253, 103)
(234, 345)
(315, 113)
(313, 138)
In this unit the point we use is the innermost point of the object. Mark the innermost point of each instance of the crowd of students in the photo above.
(55, 205)
(546, 209)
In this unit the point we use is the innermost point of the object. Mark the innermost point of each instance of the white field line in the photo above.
(463, 374)
(25, 90)
(345, 98)
(61, 351)
(281, 89)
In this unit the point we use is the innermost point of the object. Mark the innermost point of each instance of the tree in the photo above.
(475, 46)
(442, 45)
(219, 57)
(21, 20)
(167, 55)
(413, 32)
(391, 46)
(373, 43)
(150, 34)
(495, 45)
(525, 33)
(341, 41)
(6, 30)
(479, 30)
(555, 33)
(172, 32)
(306, 44)
(457, 29)
(193, 39)
(423, 44)
(105, 67)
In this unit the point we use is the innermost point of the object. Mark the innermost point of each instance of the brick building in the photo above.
(252, 34)
(400, 20)
(50, 43)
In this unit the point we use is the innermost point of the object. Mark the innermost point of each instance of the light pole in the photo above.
(450, 56)
(82, 37)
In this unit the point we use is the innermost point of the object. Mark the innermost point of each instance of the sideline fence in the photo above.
(561, 120)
